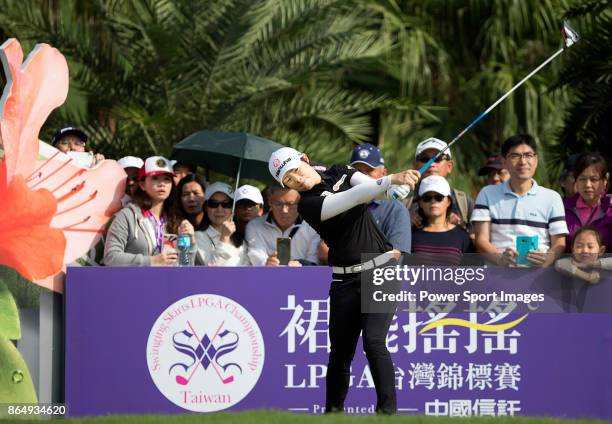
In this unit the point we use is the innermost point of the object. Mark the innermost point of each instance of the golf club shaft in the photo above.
(489, 109)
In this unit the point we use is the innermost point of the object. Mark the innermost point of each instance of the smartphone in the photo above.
(169, 243)
(283, 249)
(523, 245)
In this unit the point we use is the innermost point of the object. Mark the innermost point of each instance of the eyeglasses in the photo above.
(280, 205)
(429, 197)
(425, 158)
(213, 204)
(247, 206)
(515, 157)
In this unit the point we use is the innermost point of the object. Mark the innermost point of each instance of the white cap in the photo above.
(249, 192)
(434, 183)
(283, 160)
(218, 188)
(131, 162)
(432, 143)
(156, 165)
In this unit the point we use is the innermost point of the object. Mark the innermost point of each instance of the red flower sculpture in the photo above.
(52, 211)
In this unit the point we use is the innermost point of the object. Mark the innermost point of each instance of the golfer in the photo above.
(334, 202)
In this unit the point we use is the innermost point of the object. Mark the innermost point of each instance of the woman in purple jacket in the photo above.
(590, 205)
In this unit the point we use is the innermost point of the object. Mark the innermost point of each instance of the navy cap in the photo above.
(493, 163)
(68, 130)
(569, 165)
(369, 154)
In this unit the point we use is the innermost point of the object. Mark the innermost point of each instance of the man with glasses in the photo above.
(282, 220)
(73, 139)
(462, 206)
(519, 207)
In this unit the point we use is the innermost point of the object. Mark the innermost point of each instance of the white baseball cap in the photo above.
(283, 160)
(434, 183)
(219, 188)
(249, 192)
(156, 165)
(131, 162)
(432, 143)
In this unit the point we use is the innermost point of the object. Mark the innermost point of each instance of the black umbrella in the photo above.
(230, 153)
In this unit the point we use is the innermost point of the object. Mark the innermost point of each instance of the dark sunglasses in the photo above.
(425, 158)
(429, 197)
(213, 204)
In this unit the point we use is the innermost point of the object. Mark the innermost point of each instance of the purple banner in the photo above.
(180, 340)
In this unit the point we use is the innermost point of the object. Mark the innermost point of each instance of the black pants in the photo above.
(345, 323)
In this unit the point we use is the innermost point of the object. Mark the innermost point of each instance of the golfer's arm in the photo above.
(363, 192)
(482, 241)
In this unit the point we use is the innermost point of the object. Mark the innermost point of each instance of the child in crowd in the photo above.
(136, 235)
(587, 248)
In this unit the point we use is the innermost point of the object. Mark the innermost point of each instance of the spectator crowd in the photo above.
(435, 223)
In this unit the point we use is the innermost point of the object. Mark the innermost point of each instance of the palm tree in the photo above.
(588, 74)
(146, 73)
(453, 59)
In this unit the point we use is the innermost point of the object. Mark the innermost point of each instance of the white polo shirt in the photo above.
(538, 212)
(261, 234)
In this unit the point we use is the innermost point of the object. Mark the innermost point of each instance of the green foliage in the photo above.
(15, 380)
(323, 75)
(9, 316)
(147, 73)
(588, 74)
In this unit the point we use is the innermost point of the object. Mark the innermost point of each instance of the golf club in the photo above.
(570, 37)
(184, 381)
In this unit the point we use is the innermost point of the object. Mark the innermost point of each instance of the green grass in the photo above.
(275, 417)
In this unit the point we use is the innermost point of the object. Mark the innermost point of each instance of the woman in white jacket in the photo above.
(216, 246)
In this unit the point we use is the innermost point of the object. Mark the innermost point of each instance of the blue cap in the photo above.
(369, 154)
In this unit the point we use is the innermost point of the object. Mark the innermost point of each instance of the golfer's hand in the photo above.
(508, 258)
(409, 178)
(273, 259)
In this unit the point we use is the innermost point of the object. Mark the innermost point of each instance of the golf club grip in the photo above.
(395, 195)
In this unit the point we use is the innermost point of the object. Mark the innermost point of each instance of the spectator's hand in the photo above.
(455, 219)
(294, 263)
(508, 257)
(167, 258)
(396, 254)
(539, 258)
(185, 227)
(98, 157)
(227, 229)
(409, 177)
(415, 218)
(273, 259)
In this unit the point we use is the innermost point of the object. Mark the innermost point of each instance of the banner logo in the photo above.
(205, 353)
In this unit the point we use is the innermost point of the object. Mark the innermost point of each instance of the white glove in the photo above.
(398, 192)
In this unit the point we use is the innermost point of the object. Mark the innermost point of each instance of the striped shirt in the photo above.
(538, 212)
(440, 248)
